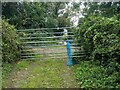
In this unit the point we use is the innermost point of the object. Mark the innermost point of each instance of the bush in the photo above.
(90, 75)
(101, 38)
(10, 43)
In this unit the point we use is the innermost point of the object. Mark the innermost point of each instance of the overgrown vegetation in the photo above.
(90, 75)
(99, 37)
(27, 15)
(10, 43)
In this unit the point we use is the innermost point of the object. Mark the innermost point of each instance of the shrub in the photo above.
(89, 75)
(101, 37)
(10, 43)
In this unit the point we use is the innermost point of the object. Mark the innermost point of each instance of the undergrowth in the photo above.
(90, 75)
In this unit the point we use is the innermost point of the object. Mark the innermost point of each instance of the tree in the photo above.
(106, 9)
(34, 15)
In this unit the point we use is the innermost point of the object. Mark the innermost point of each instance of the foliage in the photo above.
(25, 15)
(105, 9)
(98, 36)
(101, 37)
(90, 75)
(10, 43)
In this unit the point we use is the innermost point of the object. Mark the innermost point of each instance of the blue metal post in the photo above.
(69, 54)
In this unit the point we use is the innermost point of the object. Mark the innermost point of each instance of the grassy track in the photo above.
(45, 74)
(49, 73)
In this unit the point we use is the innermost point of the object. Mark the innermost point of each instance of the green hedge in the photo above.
(10, 43)
(100, 37)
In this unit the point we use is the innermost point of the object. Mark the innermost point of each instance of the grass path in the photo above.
(41, 74)
(48, 73)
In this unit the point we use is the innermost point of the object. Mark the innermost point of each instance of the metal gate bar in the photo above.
(36, 42)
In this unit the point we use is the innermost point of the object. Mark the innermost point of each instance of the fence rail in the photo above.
(40, 44)
(47, 37)
(34, 58)
(53, 45)
(45, 29)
